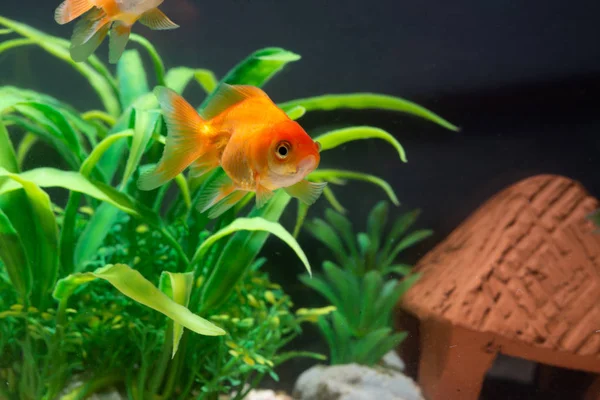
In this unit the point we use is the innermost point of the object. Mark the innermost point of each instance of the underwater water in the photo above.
(423, 113)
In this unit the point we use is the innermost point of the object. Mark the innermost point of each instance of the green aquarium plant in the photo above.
(132, 289)
(360, 329)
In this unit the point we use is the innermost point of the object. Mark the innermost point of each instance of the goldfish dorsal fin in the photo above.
(226, 95)
(157, 20)
(305, 191)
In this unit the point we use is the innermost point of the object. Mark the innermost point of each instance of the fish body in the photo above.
(99, 17)
(241, 130)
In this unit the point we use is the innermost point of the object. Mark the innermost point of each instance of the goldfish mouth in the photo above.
(307, 164)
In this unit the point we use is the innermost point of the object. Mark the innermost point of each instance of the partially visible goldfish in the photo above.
(258, 146)
(100, 16)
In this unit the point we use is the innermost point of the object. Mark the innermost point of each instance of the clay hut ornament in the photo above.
(520, 277)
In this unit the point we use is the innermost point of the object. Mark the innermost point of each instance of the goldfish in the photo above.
(241, 130)
(102, 16)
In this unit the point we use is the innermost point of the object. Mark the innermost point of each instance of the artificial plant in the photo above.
(130, 288)
(360, 329)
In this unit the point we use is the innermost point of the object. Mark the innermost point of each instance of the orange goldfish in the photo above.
(241, 130)
(100, 16)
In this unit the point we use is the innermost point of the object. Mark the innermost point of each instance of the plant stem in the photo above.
(93, 385)
(159, 372)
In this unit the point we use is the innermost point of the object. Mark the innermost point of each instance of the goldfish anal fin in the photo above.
(69, 10)
(305, 191)
(226, 96)
(225, 204)
(157, 20)
(202, 166)
(83, 45)
(185, 139)
(262, 195)
(215, 190)
(119, 36)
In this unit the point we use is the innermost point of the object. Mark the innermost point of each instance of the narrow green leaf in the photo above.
(331, 175)
(94, 158)
(371, 287)
(342, 335)
(335, 203)
(400, 269)
(28, 141)
(44, 261)
(390, 295)
(252, 224)
(179, 78)
(408, 241)
(330, 338)
(60, 49)
(300, 217)
(178, 286)
(384, 346)
(159, 66)
(239, 252)
(366, 101)
(344, 228)
(375, 224)
(145, 123)
(347, 286)
(91, 239)
(8, 159)
(14, 258)
(133, 285)
(322, 287)
(296, 112)
(258, 68)
(400, 226)
(131, 76)
(326, 235)
(338, 137)
(366, 344)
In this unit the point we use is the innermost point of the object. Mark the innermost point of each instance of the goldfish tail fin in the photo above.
(157, 20)
(69, 10)
(88, 34)
(305, 191)
(185, 141)
(119, 36)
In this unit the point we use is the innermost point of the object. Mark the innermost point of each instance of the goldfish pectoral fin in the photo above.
(81, 52)
(119, 36)
(225, 204)
(305, 191)
(262, 196)
(225, 96)
(88, 26)
(216, 190)
(184, 142)
(69, 10)
(157, 20)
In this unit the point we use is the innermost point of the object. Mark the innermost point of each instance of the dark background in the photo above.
(519, 77)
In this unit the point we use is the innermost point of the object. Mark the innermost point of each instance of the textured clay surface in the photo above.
(525, 266)
(521, 276)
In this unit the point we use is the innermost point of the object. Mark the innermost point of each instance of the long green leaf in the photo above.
(326, 235)
(238, 254)
(384, 346)
(408, 241)
(159, 65)
(145, 123)
(333, 139)
(366, 101)
(321, 286)
(59, 48)
(331, 175)
(44, 261)
(179, 78)
(133, 82)
(400, 226)
(253, 224)
(14, 258)
(133, 285)
(178, 286)
(258, 68)
(371, 287)
(8, 159)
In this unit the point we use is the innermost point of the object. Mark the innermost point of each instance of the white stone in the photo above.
(355, 382)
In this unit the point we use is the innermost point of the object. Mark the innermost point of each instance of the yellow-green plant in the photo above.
(109, 285)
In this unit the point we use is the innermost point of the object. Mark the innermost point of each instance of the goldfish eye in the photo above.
(282, 150)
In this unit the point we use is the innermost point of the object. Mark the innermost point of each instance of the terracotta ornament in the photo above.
(521, 277)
